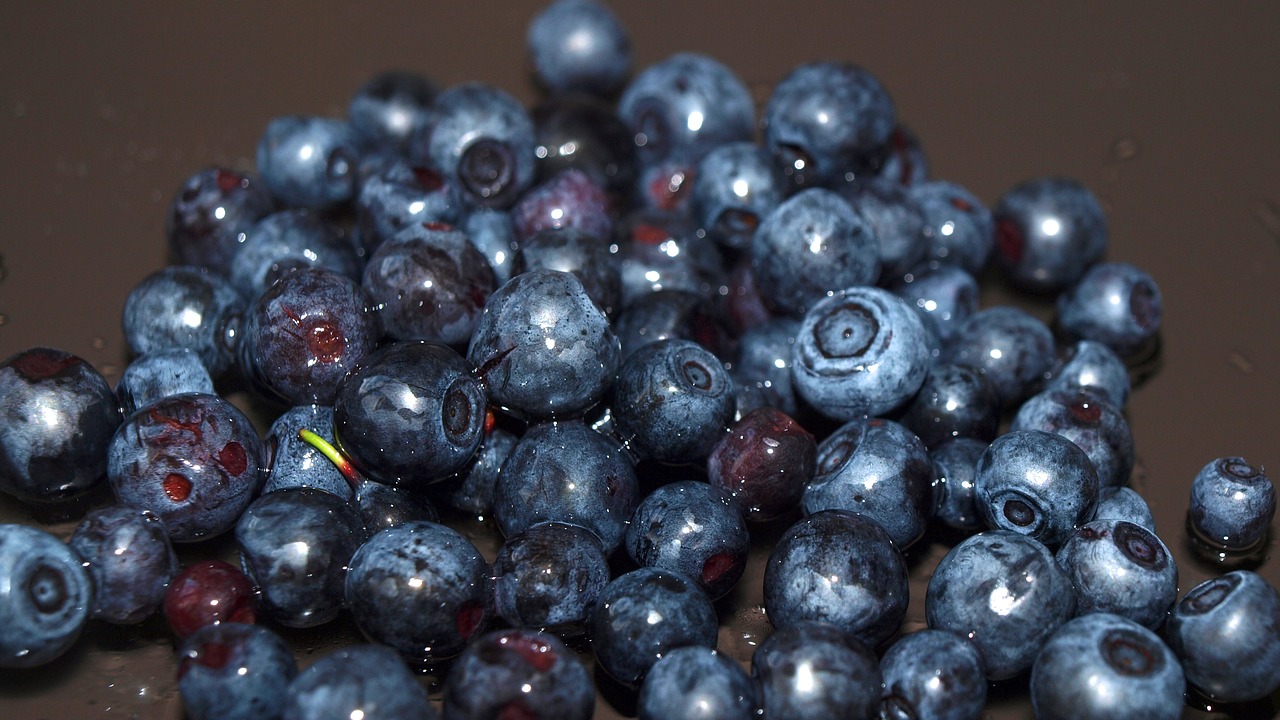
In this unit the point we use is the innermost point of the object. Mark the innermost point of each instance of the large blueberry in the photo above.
(955, 401)
(234, 671)
(1121, 568)
(482, 140)
(184, 307)
(588, 257)
(1232, 504)
(518, 674)
(764, 463)
(45, 596)
(294, 462)
(579, 45)
(955, 463)
(1094, 366)
(391, 109)
(693, 683)
(287, 241)
(399, 195)
(1124, 503)
(958, 226)
(896, 221)
(734, 187)
(159, 374)
(693, 528)
(365, 681)
(1116, 304)
(571, 199)
(308, 161)
(815, 671)
(1035, 483)
(1089, 420)
(209, 214)
(1049, 230)
(944, 297)
(933, 674)
(1008, 345)
(549, 577)
(130, 560)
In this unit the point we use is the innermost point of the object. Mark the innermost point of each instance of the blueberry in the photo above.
(210, 214)
(368, 681)
(692, 528)
(159, 374)
(493, 234)
(482, 140)
(1037, 484)
(400, 195)
(763, 359)
(130, 560)
(815, 671)
(1121, 568)
(549, 577)
(586, 256)
(1232, 504)
(735, 186)
(45, 596)
(471, 488)
(896, 220)
(571, 199)
(233, 671)
(308, 161)
(386, 506)
(764, 463)
(1049, 230)
(209, 592)
(518, 674)
(287, 241)
(904, 161)
(184, 307)
(585, 133)
(665, 185)
(691, 683)
(1010, 347)
(959, 227)
(660, 251)
(1123, 503)
(1090, 421)
(944, 298)
(579, 45)
(294, 462)
(670, 315)
(1116, 304)
(391, 109)
(1094, 366)
(933, 674)
(955, 464)
(955, 401)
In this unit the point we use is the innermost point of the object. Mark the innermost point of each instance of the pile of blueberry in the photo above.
(634, 325)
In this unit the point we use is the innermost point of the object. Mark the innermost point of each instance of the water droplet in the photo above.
(1124, 148)
(1241, 363)
(98, 343)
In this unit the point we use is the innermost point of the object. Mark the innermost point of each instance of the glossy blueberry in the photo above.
(1006, 344)
(58, 419)
(208, 217)
(579, 45)
(159, 374)
(1124, 503)
(195, 460)
(670, 315)
(365, 680)
(421, 588)
(518, 674)
(1049, 230)
(1105, 666)
(1226, 632)
(585, 133)
(826, 120)
(287, 241)
(1094, 366)
(549, 577)
(471, 488)
(129, 559)
(571, 199)
(1037, 484)
(877, 469)
(944, 298)
(233, 671)
(840, 568)
(385, 506)
(904, 160)
(763, 358)
(308, 161)
(693, 528)
(665, 186)
(955, 401)
(1121, 568)
(294, 462)
(735, 186)
(1005, 593)
(542, 348)
(813, 671)
(862, 351)
(959, 227)
(933, 674)
(955, 463)
(643, 615)
(209, 592)
(566, 472)
(45, 596)
(695, 683)
(896, 221)
(1091, 422)
(584, 255)
(400, 195)
(481, 140)
(493, 234)
(1116, 304)
(391, 109)
(764, 463)
(184, 307)
(1232, 504)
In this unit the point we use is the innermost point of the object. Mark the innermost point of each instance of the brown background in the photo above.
(1170, 113)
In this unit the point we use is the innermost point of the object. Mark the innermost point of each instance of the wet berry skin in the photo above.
(1116, 304)
(579, 46)
(764, 462)
(391, 109)
(58, 420)
(813, 671)
(840, 568)
(1124, 503)
(905, 161)
(1104, 666)
(586, 256)
(1121, 568)
(583, 132)
(669, 314)
(932, 674)
(896, 221)
(1232, 504)
(944, 297)
(209, 215)
(1008, 345)
(1089, 420)
(481, 140)
(493, 234)
(549, 577)
(183, 306)
(470, 490)
(294, 462)
(1049, 230)
(955, 463)
(569, 200)
(159, 374)
(958, 226)
(45, 596)
(763, 359)
(400, 195)
(518, 674)
(130, 560)
(209, 592)
(308, 161)
(690, 683)
(1093, 366)
(955, 401)
(234, 671)
(365, 680)
(288, 241)
(691, 527)
(734, 187)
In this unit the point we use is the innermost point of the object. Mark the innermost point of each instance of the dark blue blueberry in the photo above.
(896, 220)
(391, 110)
(295, 544)
(45, 597)
(542, 347)
(308, 161)
(184, 307)
(303, 335)
(549, 577)
(481, 140)
(812, 244)
(904, 160)
(1005, 593)
(684, 107)
(692, 528)
(643, 615)
(670, 315)
(129, 559)
(521, 674)
(1121, 568)
(1105, 666)
(877, 469)
(584, 132)
(429, 283)
(1123, 503)
(579, 45)
(862, 351)
(933, 674)
(815, 671)
(944, 298)
(195, 460)
(1090, 421)
(471, 488)
(1094, 366)
(665, 186)
(566, 472)
(827, 121)
(1116, 304)
(1232, 504)
(695, 683)
(735, 187)
(58, 419)
(763, 359)
(959, 227)
(385, 506)
(400, 195)
(586, 256)
(494, 235)
(159, 374)
(955, 401)
(1226, 632)
(1037, 484)
(410, 414)
(1048, 232)
(421, 588)
(287, 241)
(764, 462)
(569, 200)
(955, 463)
(294, 462)
(837, 567)
(367, 681)
(208, 217)
(233, 671)
(1006, 344)
(672, 401)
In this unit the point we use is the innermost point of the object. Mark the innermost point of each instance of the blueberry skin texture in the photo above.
(587, 257)
(421, 588)
(233, 671)
(184, 306)
(693, 528)
(896, 221)
(159, 374)
(366, 678)
(1123, 503)
(905, 161)
(812, 244)
(826, 119)
(579, 46)
(1049, 230)
(287, 241)
(955, 401)
(549, 577)
(735, 186)
(1091, 422)
(410, 414)
(390, 110)
(471, 488)
(195, 460)
(1005, 593)
(492, 232)
(1120, 568)
(45, 596)
(955, 464)
(1088, 309)
(1037, 484)
(557, 366)
(763, 359)
(933, 674)
(862, 351)
(385, 506)
(814, 671)
(518, 674)
(481, 140)
(764, 463)
(944, 297)
(58, 420)
(960, 229)
(670, 314)
(209, 215)
(566, 472)
(1006, 344)
(694, 683)
(1226, 632)
(877, 469)
(294, 462)
(1232, 504)
(400, 195)
(1094, 366)
(569, 200)
(129, 559)
(1104, 666)
(308, 161)
(585, 133)
(837, 567)
(643, 615)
